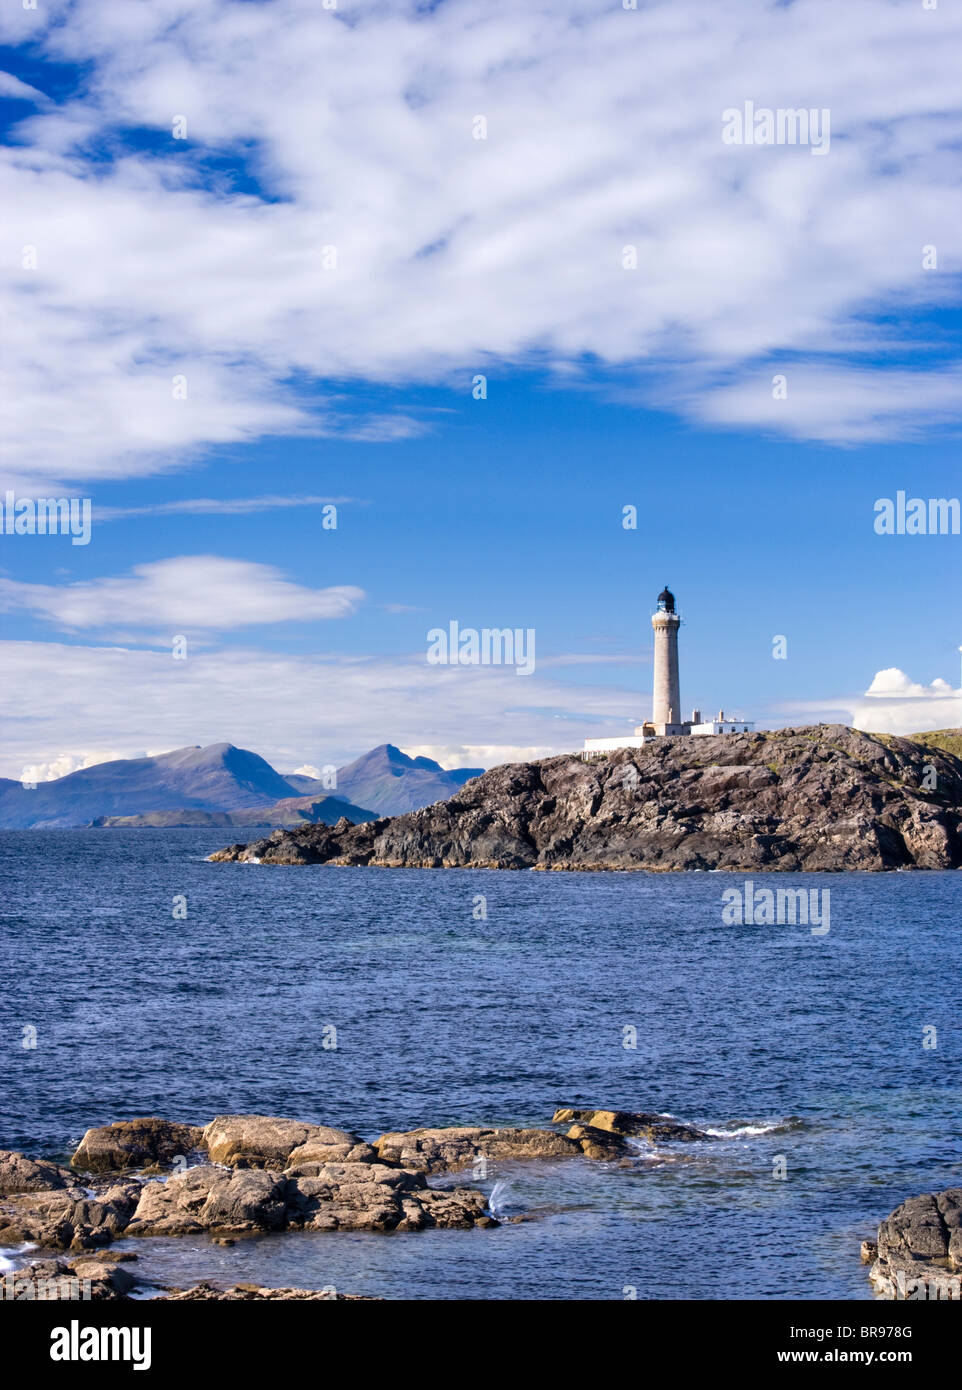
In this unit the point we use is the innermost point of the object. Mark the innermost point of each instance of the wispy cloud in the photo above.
(184, 594)
(379, 241)
(215, 506)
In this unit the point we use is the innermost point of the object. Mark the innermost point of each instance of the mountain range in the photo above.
(178, 788)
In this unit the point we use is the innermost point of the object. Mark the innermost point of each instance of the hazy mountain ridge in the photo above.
(221, 784)
(215, 778)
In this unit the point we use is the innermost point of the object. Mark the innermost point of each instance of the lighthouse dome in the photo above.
(666, 600)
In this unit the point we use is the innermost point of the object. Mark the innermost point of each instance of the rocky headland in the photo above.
(824, 798)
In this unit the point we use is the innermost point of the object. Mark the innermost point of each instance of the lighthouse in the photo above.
(666, 717)
(666, 707)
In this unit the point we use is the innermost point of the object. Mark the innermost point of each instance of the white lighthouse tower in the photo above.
(666, 705)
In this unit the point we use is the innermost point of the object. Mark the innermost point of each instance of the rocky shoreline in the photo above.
(827, 798)
(245, 1175)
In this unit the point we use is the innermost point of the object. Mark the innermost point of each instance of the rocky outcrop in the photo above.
(59, 1280)
(261, 1141)
(107, 1277)
(210, 1199)
(356, 1196)
(448, 1150)
(918, 1253)
(296, 810)
(69, 1218)
(826, 798)
(630, 1123)
(336, 1197)
(144, 1143)
(20, 1174)
(271, 1174)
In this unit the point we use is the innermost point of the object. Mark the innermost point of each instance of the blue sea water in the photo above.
(802, 1052)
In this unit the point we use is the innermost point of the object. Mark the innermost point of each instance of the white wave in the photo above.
(9, 1261)
(745, 1131)
(496, 1199)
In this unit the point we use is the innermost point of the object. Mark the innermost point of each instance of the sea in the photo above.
(140, 979)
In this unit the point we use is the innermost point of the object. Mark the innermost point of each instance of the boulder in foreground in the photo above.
(918, 1254)
(21, 1174)
(262, 1141)
(143, 1143)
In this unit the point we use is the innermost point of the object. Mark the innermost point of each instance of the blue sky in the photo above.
(606, 386)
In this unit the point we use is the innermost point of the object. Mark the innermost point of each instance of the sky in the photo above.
(479, 277)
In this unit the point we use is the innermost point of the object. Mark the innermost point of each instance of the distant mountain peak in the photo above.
(212, 777)
(390, 782)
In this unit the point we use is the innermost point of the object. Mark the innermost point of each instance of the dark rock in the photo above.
(919, 1249)
(597, 1143)
(630, 1123)
(824, 798)
(20, 1174)
(142, 1143)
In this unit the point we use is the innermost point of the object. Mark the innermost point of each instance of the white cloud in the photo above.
(66, 763)
(892, 704)
(454, 755)
(14, 90)
(184, 594)
(895, 704)
(454, 254)
(297, 711)
(838, 404)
